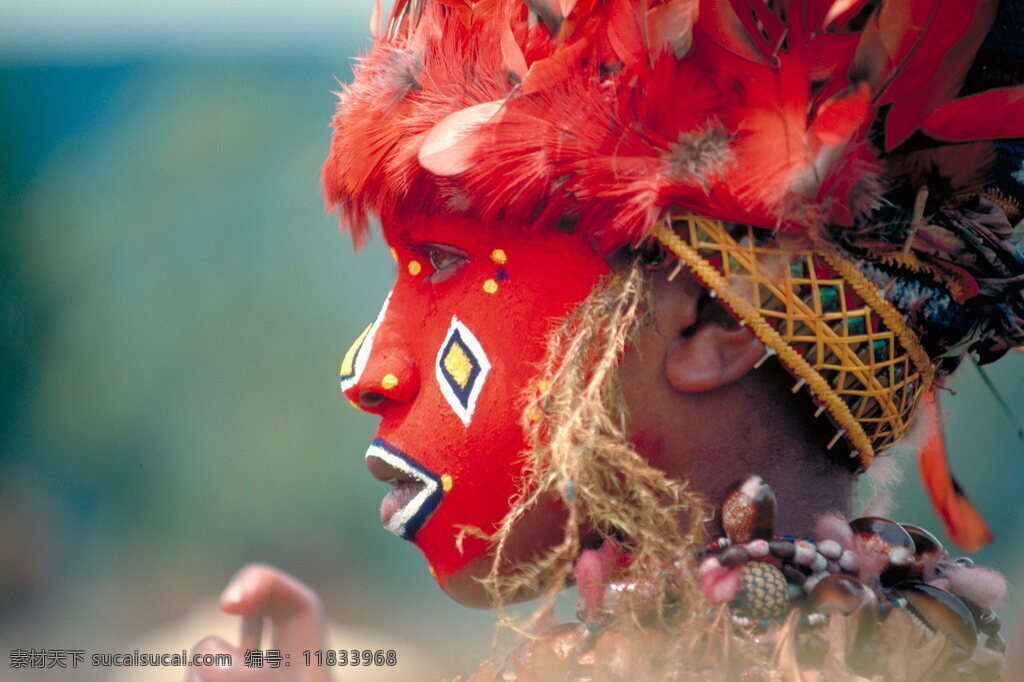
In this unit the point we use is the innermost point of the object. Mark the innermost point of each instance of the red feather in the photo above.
(513, 54)
(763, 26)
(626, 35)
(903, 42)
(842, 11)
(607, 120)
(671, 25)
(843, 115)
(964, 523)
(936, 69)
(993, 114)
(720, 23)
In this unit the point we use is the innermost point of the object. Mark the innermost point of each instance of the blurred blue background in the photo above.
(174, 304)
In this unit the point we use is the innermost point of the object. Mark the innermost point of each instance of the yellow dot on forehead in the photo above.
(389, 381)
(490, 286)
(499, 256)
(415, 267)
(446, 482)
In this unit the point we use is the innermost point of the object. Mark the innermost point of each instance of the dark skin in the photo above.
(699, 410)
(694, 366)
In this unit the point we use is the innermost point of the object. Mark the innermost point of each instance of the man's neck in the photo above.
(807, 482)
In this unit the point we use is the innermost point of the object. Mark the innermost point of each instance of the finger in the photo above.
(252, 633)
(259, 590)
(294, 610)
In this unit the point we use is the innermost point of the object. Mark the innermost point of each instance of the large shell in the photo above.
(748, 510)
(841, 594)
(890, 541)
(927, 552)
(941, 611)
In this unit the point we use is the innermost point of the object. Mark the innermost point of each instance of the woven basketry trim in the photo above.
(855, 383)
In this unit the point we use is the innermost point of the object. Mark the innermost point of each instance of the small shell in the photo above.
(763, 593)
(758, 548)
(748, 510)
(805, 553)
(830, 549)
(941, 611)
(848, 561)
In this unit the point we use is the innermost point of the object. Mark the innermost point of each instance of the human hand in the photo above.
(256, 592)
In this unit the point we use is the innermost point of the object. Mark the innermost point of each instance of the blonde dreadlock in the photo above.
(579, 452)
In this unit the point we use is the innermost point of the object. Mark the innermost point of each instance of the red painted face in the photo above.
(446, 365)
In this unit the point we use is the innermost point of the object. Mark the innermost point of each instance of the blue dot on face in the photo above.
(502, 275)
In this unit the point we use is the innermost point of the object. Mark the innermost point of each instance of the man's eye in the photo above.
(440, 259)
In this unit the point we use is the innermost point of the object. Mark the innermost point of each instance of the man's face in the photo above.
(446, 366)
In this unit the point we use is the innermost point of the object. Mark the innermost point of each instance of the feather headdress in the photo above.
(857, 127)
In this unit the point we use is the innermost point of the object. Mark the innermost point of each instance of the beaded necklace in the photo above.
(875, 564)
(867, 599)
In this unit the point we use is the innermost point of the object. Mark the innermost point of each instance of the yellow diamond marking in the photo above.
(490, 286)
(389, 381)
(446, 482)
(499, 256)
(350, 354)
(414, 267)
(458, 364)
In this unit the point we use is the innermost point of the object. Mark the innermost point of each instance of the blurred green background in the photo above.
(174, 304)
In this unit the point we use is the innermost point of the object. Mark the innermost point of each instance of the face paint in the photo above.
(446, 365)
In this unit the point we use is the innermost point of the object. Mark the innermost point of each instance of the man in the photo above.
(670, 274)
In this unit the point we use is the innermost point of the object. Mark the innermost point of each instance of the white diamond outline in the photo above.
(464, 413)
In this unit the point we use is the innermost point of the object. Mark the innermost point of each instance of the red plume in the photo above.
(964, 523)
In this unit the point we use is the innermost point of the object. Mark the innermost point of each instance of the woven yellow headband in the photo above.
(828, 325)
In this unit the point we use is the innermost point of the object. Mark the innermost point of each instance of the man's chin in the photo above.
(466, 587)
(540, 529)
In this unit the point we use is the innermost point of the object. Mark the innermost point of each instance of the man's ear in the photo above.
(711, 349)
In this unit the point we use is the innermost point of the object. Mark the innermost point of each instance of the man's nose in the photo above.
(377, 373)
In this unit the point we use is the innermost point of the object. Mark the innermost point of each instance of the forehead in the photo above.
(539, 257)
(467, 232)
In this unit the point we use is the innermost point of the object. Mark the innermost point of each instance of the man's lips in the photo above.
(405, 486)
(398, 499)
(417, 490)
